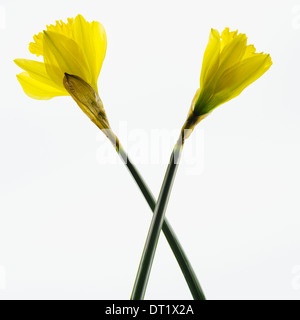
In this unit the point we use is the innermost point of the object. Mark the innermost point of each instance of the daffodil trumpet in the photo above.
(73, 54)
(229, 66)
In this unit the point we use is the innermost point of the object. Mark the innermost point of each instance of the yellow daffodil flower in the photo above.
(76, 48)
(73, 54)
(229, 66)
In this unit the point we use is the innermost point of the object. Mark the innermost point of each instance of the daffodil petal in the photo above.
(91, 37)
(235, 80)
(82, 36)
(63, 55)
(233, 52)
(37, 46)
(244, 73)
(100, 45)
(211, 58)
(37, 89)
(227, 36)
(250, 51)
(37, 71)
(62, 27)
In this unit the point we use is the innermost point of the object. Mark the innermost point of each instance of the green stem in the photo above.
(156, 226)
(185, 266)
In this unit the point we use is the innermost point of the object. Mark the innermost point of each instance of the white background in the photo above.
(73, 226)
